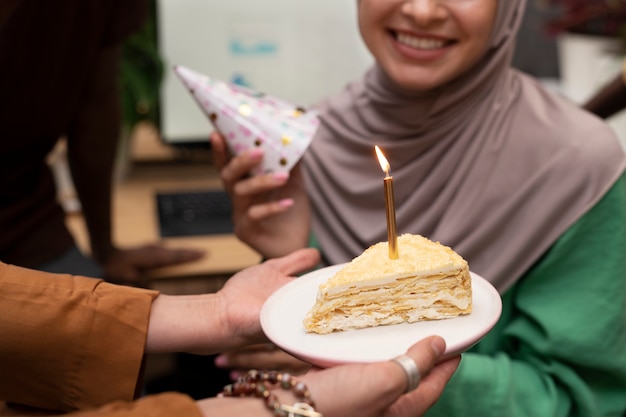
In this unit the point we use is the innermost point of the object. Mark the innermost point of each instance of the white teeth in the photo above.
(420, 43)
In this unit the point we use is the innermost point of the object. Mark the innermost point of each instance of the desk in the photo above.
(135, 222)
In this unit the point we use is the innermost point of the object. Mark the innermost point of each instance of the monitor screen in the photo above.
(294, 49)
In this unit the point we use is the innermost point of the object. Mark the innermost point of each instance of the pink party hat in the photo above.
(248, 119)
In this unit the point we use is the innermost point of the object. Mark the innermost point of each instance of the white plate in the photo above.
(283, 312)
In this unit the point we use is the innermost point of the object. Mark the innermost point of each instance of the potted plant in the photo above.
(141, 73)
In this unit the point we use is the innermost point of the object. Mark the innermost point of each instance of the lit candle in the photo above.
(392, 235)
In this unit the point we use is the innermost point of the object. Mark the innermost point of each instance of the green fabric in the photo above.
(559, 348)
(313, 243)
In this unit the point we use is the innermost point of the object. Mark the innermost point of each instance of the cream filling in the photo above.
(399, 300)
(387, 312)
(390, 286)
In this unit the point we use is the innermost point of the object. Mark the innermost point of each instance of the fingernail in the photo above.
(438, 345)
(281, 176)
(285, 203)
(220, 361)
(255, 154)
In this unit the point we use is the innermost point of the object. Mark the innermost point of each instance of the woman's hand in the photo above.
(228, 319)
(271, 211)
(243, 295)
(377, 389)
(363, 390)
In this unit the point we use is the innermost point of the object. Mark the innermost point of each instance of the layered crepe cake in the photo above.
(428, 281)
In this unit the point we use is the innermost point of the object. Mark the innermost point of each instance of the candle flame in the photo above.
(384, 164)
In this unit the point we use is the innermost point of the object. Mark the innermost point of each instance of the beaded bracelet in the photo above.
(258, 384)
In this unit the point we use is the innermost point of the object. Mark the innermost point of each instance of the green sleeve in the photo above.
(559, 348)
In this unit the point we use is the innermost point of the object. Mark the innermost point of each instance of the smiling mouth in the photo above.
(421, 43)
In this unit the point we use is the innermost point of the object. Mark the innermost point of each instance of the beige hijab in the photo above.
(490, 164)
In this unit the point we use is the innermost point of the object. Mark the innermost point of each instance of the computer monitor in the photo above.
(294, 49)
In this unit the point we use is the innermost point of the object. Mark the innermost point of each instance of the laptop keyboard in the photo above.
(192, 213)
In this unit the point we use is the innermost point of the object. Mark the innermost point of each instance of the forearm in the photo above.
(92, 148)
(193, 324)
(227, 319)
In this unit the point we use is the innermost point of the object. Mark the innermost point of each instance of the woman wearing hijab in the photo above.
(525, 185)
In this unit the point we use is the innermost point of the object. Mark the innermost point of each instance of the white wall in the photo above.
(295, 49)
(587, 64)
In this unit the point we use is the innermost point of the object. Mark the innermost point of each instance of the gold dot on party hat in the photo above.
(213, 117)
(299, 111)
(283, 161)
(286, 140)
(245, 109)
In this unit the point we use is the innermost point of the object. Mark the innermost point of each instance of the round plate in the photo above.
(283, 312)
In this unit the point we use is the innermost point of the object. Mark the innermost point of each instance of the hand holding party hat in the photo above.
(249, 119)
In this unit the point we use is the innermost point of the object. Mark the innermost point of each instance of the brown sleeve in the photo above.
(161, 405)
(69, 343)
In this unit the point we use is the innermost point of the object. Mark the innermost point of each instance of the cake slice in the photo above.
(428, 281)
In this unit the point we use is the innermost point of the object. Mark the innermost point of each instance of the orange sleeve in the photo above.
(69, 342)
(160, 405)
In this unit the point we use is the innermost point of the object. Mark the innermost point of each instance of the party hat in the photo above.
(249, 119)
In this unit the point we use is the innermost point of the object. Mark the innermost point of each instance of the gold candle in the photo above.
(392, 235)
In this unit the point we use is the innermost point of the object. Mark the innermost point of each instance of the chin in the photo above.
(414, 79)
(414, 82)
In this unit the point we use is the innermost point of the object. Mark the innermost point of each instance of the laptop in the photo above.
(194, 213)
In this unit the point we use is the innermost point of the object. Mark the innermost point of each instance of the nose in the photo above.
(424, 11)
